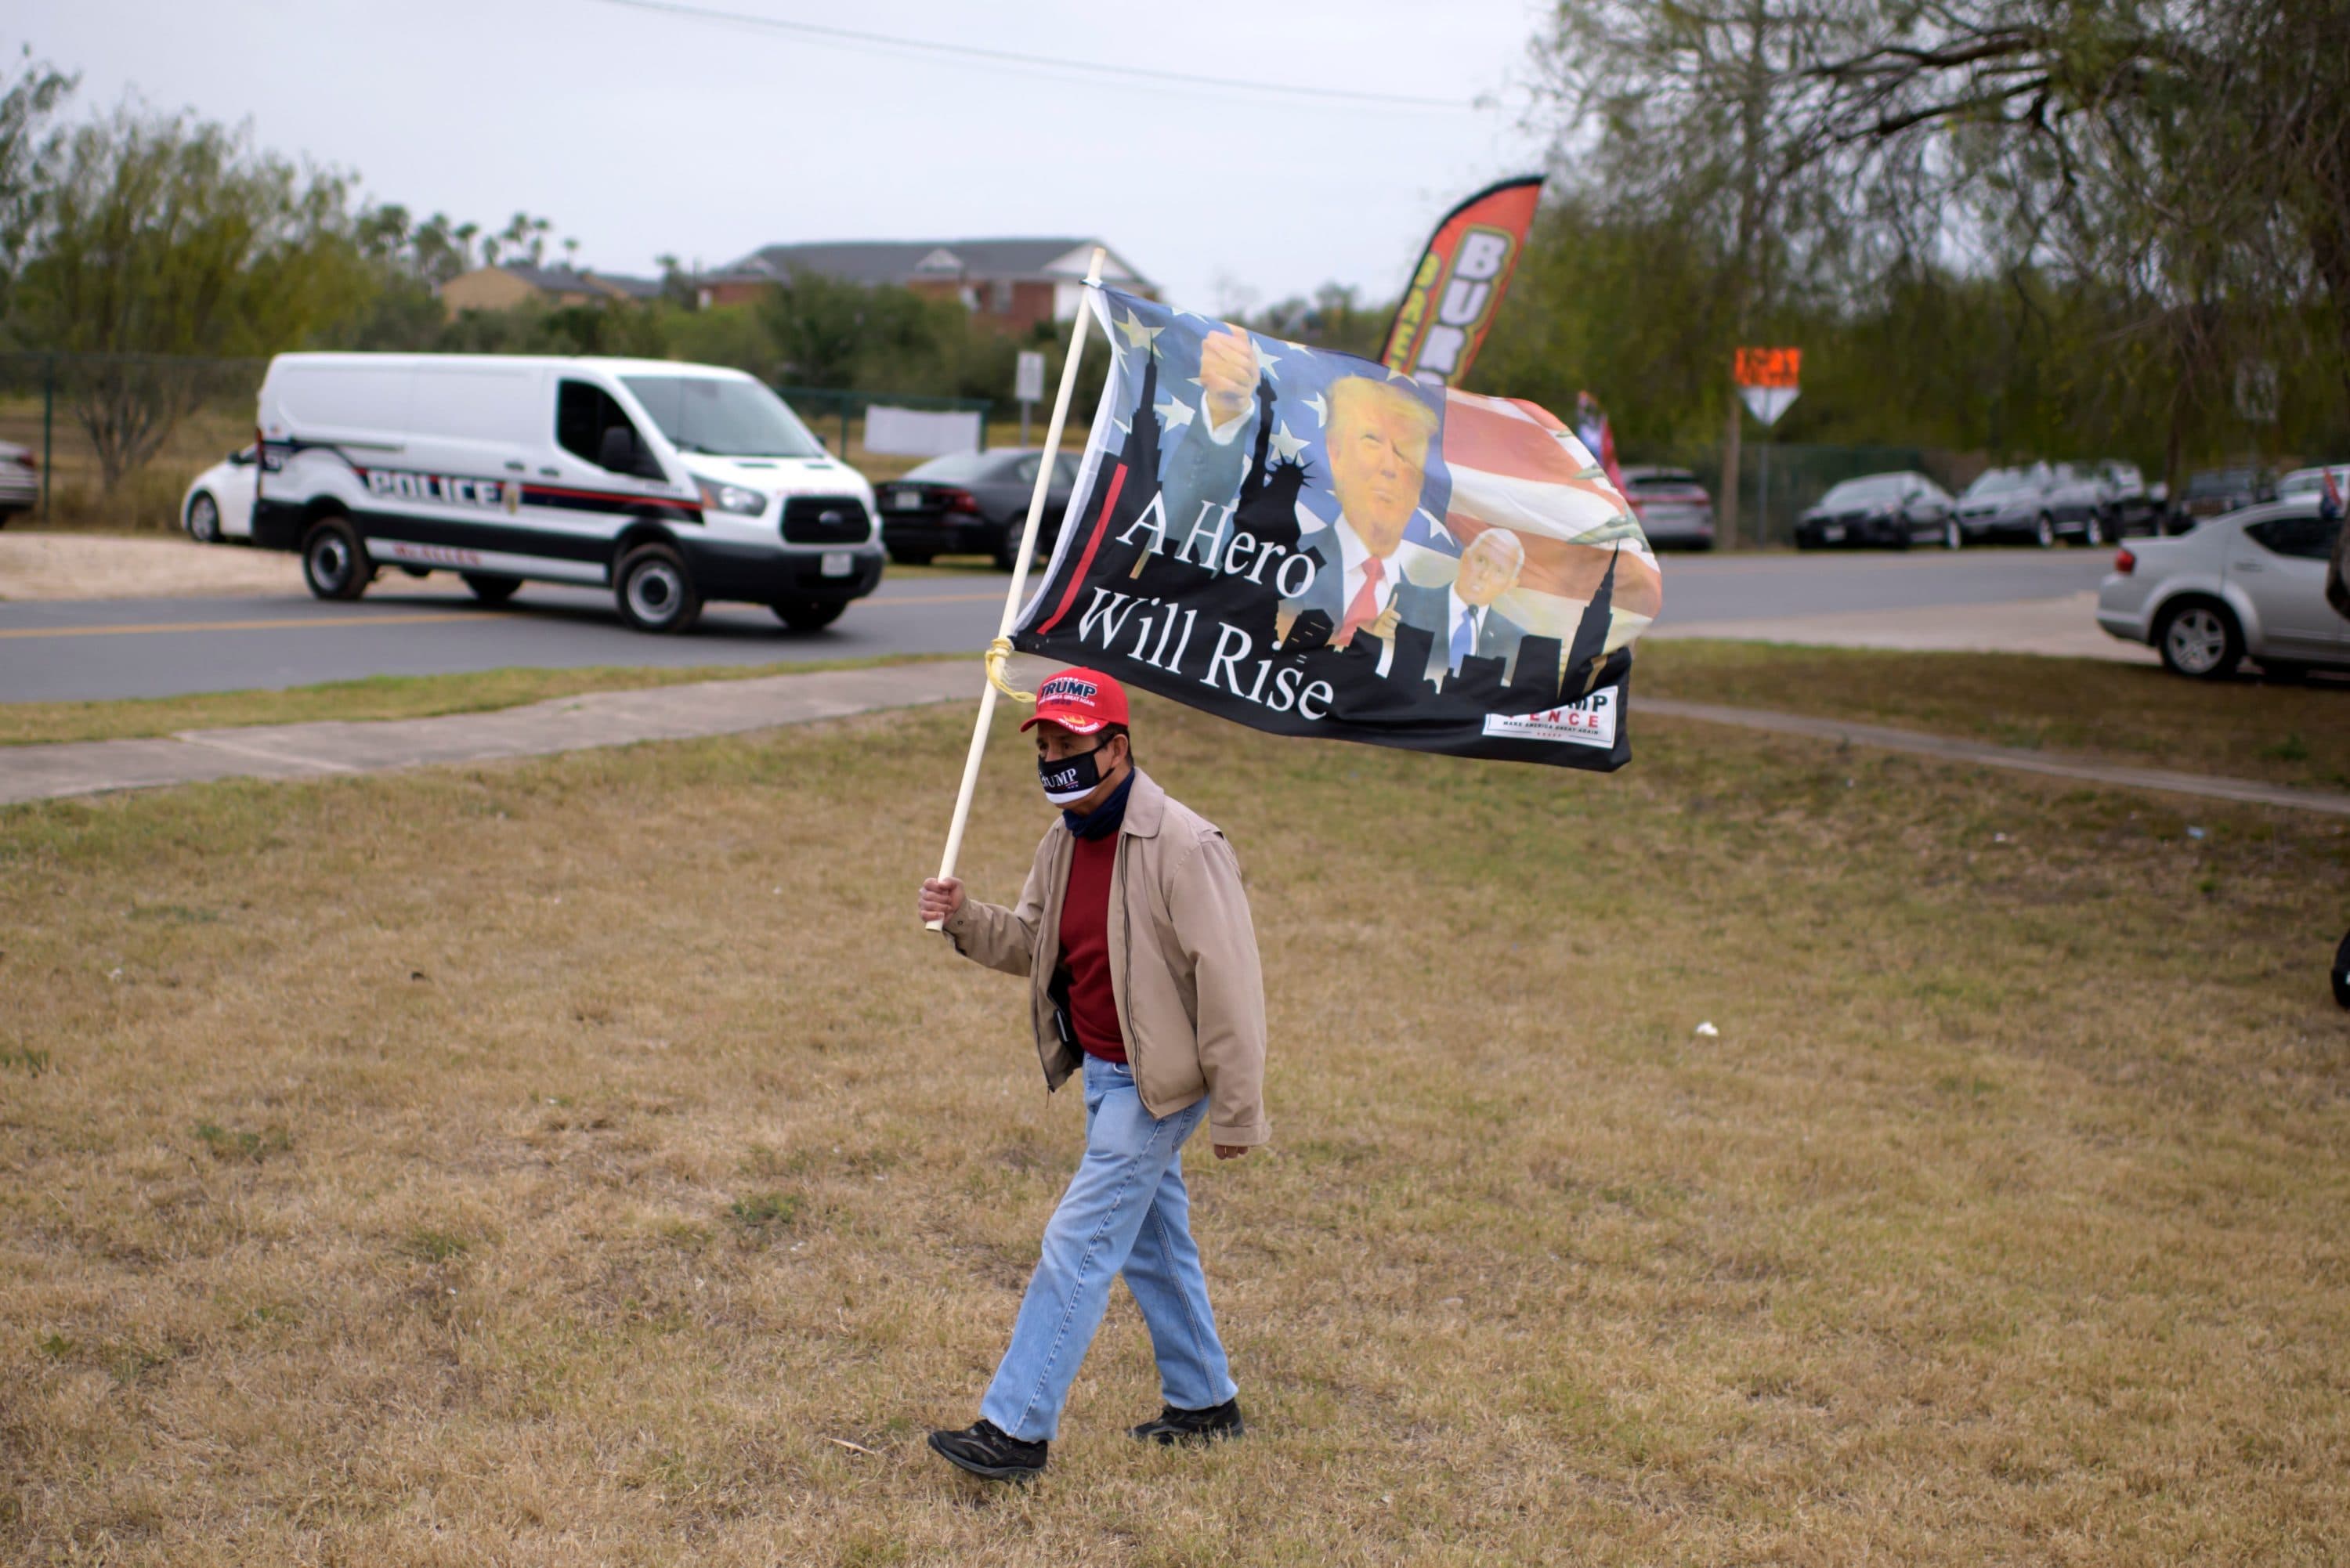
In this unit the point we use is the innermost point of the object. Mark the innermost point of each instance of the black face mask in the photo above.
(1070, 780)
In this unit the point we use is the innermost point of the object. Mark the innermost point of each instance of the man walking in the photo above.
(1134, 934)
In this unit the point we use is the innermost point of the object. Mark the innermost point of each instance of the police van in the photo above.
(669, 483)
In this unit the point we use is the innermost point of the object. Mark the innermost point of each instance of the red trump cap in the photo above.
(1082, 701)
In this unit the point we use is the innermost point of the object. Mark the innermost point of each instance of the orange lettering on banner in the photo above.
(1769, 366)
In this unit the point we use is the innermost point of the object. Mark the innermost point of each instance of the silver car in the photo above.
(1673, 507)
(2250, 584)
(20, 481)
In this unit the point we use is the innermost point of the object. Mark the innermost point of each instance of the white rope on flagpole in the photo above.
(1000, 647)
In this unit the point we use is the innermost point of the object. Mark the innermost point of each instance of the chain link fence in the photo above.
(118, 436)
(1799, 474)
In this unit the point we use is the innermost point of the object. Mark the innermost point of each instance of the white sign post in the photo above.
(1028, 385)
(1766, 404)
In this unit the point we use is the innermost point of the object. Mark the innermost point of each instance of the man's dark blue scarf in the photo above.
(1105, 818)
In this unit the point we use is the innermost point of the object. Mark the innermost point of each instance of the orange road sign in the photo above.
(1769, 366)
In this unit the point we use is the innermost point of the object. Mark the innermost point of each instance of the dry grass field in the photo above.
(2296, 733)
(569, 1162)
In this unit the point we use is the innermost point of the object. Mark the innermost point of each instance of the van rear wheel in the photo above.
(334, 562)
(655, 591)
(492, 589)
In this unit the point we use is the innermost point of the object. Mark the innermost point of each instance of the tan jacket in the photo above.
(1182, 960)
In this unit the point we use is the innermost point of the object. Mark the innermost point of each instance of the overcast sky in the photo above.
(642, 133)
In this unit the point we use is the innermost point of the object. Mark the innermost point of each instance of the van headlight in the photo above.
(731, 498)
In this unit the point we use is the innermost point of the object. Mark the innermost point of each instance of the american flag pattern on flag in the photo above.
(1513, 465)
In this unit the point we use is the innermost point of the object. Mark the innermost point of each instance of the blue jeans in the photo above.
(1126, 1209)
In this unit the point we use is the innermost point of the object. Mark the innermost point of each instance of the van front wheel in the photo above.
(655, 591)
(334, 562)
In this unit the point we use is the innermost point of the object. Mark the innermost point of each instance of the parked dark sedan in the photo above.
(1896, 509)
(2212, 492)
(972, 503)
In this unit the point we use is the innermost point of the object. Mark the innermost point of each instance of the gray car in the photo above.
(2008, 503)
(20, 481)
(1673, 507)
(972, 503)
(2250, 584)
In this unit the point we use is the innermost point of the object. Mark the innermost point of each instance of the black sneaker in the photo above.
(985, 1449)
(1196, 1427)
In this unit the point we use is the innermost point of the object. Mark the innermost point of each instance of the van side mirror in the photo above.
(619, 451)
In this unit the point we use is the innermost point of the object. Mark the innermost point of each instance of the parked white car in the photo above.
(668, 483)
(2250, 584)
(2304, 482)
(20, 481)
(218, 507)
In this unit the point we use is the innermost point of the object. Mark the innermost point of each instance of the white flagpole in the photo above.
(1020, 561)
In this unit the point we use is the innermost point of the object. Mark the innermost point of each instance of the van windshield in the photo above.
(724, 418)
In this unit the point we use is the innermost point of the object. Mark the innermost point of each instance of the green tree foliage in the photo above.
(2028, 227)
(27, 149)
(163, 235)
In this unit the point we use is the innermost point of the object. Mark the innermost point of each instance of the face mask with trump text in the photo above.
(1068, 780)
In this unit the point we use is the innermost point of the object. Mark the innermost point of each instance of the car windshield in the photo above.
(1878, 488)
(722, 417)
(2310, 481)
(1998, 482)
(2223, 482)
(1663, 480)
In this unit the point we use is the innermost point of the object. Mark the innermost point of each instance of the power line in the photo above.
(1178, 80)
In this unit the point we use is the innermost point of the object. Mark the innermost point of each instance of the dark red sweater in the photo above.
(1085, 948)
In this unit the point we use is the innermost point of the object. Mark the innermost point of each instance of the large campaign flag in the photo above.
(1447, 308)
(1311, 544)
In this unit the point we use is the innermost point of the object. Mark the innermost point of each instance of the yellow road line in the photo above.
(369, 620)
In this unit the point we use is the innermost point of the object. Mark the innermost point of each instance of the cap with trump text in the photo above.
(1082, 701)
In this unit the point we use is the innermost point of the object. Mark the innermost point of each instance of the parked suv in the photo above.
(669, 483)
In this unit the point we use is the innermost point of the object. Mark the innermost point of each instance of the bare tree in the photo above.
(1700, 114)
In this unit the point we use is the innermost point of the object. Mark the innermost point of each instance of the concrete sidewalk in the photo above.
(559, 724)
(731, 707)
(2065, 627)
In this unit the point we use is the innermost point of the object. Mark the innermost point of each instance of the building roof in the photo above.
(634, 287)
(912, 261)
(550, 279)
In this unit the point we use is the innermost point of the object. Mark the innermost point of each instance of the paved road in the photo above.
(67, 651)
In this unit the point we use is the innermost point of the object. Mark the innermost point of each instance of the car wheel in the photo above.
(2093, 531)
(1953, 536)
(1007, 546)
(334, 562)
(911, 557)
(203, 519)
(655, 591)
(810, 615)
(2043, 531)
(490, 589)
(2200, 639)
